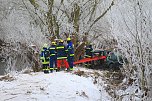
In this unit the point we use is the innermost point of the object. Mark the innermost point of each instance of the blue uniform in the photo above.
(61, 53)
(61, 56)
(88, 51)
(53, 57)
(44, 56)
(70, 51)
(88, 54)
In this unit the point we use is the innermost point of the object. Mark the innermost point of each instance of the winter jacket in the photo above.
(61, 51)
(44, 56)
(70, 49)
(88, 51)
(52, 50)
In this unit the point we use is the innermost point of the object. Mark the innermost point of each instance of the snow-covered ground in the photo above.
(56, 86)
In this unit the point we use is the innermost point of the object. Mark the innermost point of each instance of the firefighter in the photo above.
(53, 57)
(61, 56)
(70, 51)
(88, 54)
(44, 56)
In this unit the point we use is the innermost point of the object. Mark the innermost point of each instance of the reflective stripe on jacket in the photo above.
(88, 51)
(70, 49)
(61, 51)
(44, 56)
(52, 50)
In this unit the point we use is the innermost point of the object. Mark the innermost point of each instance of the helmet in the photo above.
(53, 43)
(61, 41)
(68, 39)
(45, 45)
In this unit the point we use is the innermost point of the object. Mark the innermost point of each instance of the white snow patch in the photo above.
(57, 86)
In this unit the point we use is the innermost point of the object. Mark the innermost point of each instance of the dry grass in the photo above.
(79, 73)
(7, 78)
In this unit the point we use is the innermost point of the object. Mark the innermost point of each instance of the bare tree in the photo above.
(133, 36)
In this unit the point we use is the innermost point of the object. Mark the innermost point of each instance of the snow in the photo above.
(56, 86)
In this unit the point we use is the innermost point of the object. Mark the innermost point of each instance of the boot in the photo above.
(46, 71)
(56, 69)
(68, 69)
(51, 70)
(71, 68)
